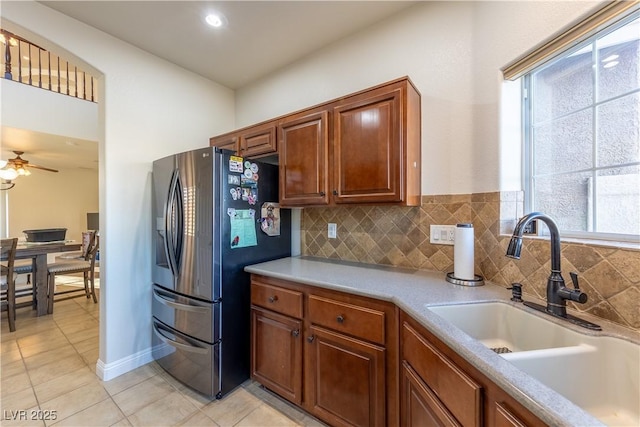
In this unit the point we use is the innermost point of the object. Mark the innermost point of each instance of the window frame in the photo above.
(527, 133)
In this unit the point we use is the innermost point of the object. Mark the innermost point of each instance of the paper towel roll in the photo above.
(463, 264)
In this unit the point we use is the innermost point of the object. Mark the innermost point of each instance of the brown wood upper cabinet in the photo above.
(228, 141)
(304, 155)
(253, 141)
(363, 148)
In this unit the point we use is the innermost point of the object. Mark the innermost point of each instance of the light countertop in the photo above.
(415, 290)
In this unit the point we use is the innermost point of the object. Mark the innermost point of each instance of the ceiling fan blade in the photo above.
(30, 165)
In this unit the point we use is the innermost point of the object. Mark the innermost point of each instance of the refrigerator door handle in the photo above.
(179, 306)
(173, 343)
(173, 223)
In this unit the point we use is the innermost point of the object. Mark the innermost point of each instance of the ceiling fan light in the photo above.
(27, 172)
(8, 174)
(3, 163)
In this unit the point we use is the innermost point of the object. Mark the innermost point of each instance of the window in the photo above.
(582, 136)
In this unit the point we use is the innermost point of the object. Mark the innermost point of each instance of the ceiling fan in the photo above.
(19, 167)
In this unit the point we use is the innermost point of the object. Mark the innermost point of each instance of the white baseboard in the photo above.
(109, 371)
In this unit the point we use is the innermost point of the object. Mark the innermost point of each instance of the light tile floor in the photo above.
(48, 371)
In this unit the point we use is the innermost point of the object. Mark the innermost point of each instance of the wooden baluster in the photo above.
(40, 68)
(7, 58)
(75, 70)
(92, 88)
(19, 61)
(67, 77)
(49, 63)
(30, 80)
(59, 82)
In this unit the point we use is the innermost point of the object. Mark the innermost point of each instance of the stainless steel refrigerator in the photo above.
(213, 214)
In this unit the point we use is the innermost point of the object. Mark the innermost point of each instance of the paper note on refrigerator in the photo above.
(243, 228)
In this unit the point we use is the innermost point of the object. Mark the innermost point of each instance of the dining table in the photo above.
(38, 253)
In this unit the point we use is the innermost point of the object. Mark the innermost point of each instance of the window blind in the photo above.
(599, 20)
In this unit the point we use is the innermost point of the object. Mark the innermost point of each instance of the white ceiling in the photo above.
(260, 37)
(51, 151)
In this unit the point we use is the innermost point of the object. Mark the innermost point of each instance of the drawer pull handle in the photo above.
(340, 319)
(311, 338)
(273, 299)
(295, 333)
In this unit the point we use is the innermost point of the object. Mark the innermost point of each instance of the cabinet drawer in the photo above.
(350, 319)
(278, 299)
(454, 388)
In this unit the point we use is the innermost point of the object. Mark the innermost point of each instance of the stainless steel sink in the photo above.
(598, 373)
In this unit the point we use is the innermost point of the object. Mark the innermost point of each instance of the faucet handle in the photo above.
(576, 294)
(574, 280)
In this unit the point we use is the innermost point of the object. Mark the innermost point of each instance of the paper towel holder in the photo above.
(476, 281)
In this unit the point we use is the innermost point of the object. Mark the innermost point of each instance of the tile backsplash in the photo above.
(399, 236)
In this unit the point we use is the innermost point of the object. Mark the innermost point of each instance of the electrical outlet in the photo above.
(442, 234)
(332, 230)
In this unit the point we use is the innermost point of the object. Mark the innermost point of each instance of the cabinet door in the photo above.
(304, 151)
(225, 142)
(346, 379)
(420, 406)
(259, 140)
(505, 418)
(367, 148)
(276, 353)
(460, 393)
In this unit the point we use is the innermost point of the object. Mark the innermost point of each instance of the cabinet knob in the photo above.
(340, 319)
(322, 194)
(295, 333)
(273, 299)
(311, 338)
(335, 192)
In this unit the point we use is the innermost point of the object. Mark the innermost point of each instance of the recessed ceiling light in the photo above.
(216, 20)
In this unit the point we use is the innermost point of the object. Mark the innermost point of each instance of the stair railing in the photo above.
(41, 68)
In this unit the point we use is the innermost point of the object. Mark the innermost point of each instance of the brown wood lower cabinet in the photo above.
(346, 383)
(356, 361)
(420, 405)
(276, 353)
(440, 388)
(348, 346)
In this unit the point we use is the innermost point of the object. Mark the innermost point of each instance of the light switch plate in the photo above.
(332, 230)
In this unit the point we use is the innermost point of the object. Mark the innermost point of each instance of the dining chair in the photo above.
(20, 267)
(86, 266)
(7, 282)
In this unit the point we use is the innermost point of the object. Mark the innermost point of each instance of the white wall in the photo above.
(28, 107)
(53, 200)
(453, 52)
(149, 108)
